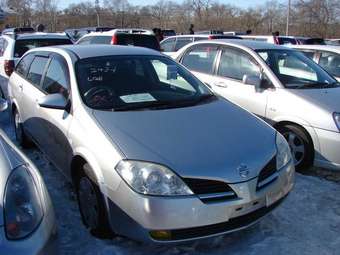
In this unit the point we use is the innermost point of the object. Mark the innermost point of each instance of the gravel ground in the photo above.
(308, 222)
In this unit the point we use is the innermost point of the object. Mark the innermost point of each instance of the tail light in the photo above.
(210, 37)
(276, 40)
(114, 40)
(9, 67)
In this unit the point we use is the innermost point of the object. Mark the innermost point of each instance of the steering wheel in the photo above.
(100, 97)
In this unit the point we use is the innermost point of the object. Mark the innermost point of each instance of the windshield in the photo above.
(295, 70)
(23, 45)
(137, 82)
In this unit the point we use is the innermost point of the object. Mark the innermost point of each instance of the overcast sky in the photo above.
(241, 3)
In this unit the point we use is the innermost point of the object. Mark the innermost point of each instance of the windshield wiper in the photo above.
(321, 85)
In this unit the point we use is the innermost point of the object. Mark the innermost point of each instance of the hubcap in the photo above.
(296, 145)
(88, 202)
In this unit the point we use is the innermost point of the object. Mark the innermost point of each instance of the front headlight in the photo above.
(151, 179)
(336, 117)
(283, 151)
(22, 205)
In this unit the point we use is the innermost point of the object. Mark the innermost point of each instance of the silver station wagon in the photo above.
(153, 154)
(280, 85)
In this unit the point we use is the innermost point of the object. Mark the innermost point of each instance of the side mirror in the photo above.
(53, 101)
(3, 104)
(252, 80)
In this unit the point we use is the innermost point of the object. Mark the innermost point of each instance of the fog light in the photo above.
(162, 235)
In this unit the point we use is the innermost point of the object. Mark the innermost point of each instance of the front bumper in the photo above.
(329, 154)
(188, 218)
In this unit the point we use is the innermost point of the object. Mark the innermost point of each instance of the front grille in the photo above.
(203, 186)
(232, 224)
(268, 171)
(210, 191)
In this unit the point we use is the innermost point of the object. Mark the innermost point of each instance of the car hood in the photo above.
(204, 141)
(328, 99)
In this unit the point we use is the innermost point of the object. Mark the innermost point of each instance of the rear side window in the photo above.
(201, 58)
(181, 42)
(36, 70)
(23, 45)
(85, 40)
(147, 41)
(309, 54)
(56, 80)
(101, 40)
(168, 45)
(24, 65)
(330, 62)
(235, 64)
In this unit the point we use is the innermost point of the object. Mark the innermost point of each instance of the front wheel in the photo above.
(92, 207)
(300, 144)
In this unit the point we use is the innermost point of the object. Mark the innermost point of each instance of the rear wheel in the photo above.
(300, 145)
(92, 207)
(20, 135)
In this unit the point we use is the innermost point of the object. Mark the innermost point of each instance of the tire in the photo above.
(91, 206)
(20, 135)
(300, 144)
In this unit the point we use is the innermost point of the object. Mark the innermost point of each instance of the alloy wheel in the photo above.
(296, 145)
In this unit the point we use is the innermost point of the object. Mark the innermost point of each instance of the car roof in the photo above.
(39, 35)
(334, 48)
(101, 50)
(137, 31)
(254, 45)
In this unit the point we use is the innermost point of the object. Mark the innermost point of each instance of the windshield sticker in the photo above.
(138, 98)
(171, 72)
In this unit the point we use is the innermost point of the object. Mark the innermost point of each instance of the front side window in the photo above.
(201, 58)
(57, 79)
(36, 70)
(235, 64)
(295, 70)
(134, 82)
(24, 65)
(330, 62)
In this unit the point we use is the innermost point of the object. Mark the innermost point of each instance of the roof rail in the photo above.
(14, 31)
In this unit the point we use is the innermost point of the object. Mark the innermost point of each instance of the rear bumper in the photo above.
(329, 154)
(188, 218)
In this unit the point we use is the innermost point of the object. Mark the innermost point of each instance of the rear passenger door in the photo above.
(56, 122)
(31, 91)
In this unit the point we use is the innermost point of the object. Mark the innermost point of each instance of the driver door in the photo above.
(232, 67)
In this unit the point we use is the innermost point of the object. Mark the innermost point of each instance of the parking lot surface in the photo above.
(308, 222)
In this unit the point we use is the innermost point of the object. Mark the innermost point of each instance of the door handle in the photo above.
(221, 84)
(21, 87)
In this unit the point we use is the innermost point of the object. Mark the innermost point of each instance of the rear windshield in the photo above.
(148, 41)
(23, 45)
(285, 40)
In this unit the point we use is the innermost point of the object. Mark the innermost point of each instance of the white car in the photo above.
(15, 42)
(172, 44)
(272, 39)
(327, 56)
(280, 85)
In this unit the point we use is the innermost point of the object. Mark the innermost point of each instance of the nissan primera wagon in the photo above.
(280, 85)
(145, 145)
